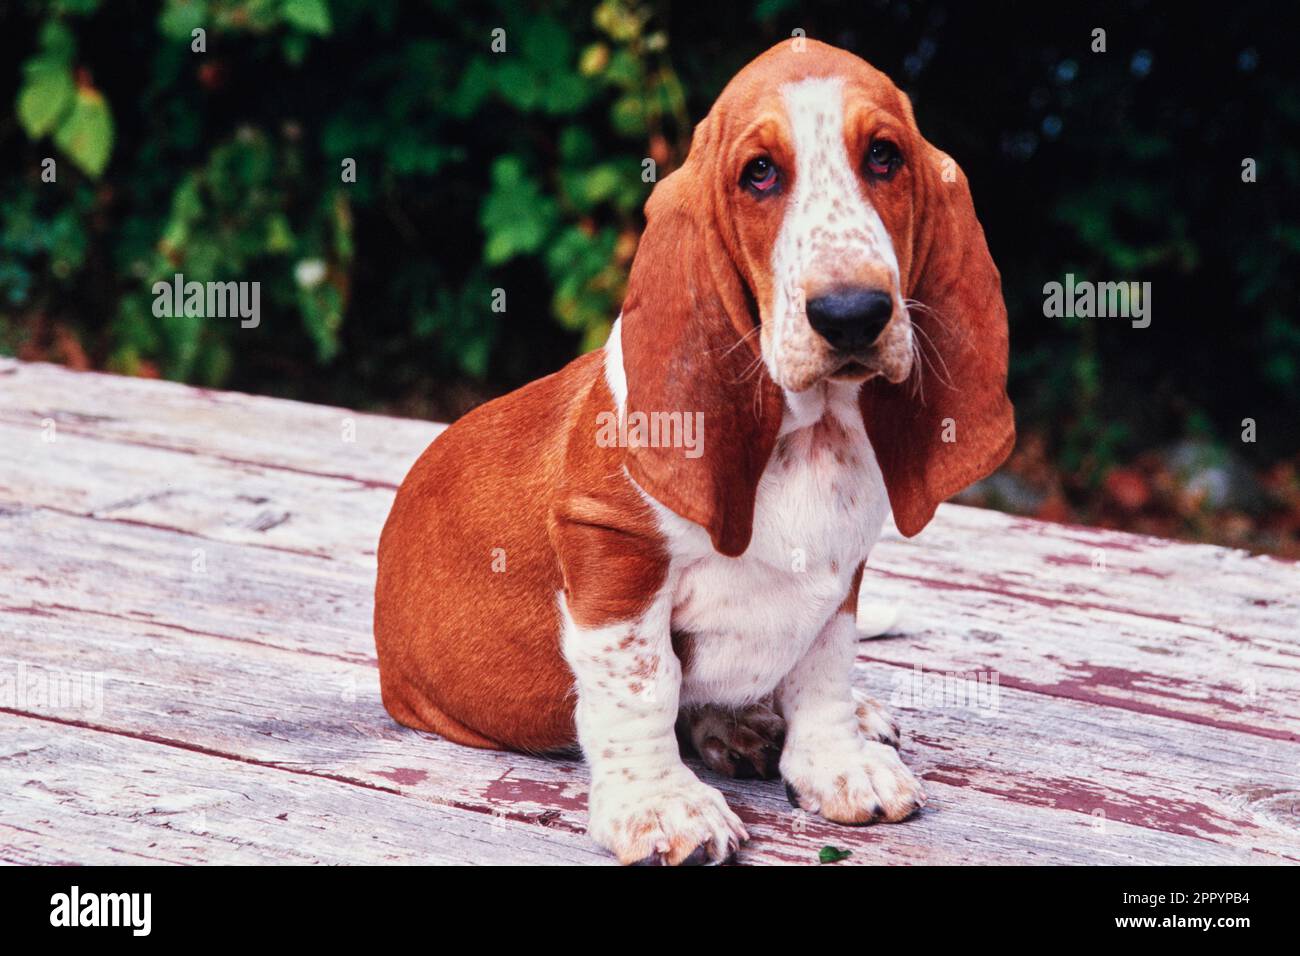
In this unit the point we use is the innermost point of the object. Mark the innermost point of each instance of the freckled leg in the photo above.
(830, 765)
(646, 805)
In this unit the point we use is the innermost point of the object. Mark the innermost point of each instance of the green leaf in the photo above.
(213, 363)
(322, 316)
(518, 86)
(628, 115)
(181, 335)
(516, 215)
(473, 356)
(770, 9)
(601, 182)
(181, 17)
(546, 45)
(46, 94)
(279, 234)
(57, 43)
(567, 93)
(87, 134)
(833, 854)
(476, 82)
(577, 145)
(310, 16)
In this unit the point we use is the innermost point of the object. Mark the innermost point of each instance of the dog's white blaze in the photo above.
(827, 220)
(615, 377)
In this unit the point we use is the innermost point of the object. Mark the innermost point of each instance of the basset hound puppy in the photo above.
(668, 535)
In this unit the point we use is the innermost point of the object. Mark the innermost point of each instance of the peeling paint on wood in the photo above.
(206, 561)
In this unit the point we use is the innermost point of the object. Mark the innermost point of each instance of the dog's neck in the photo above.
(805, 409)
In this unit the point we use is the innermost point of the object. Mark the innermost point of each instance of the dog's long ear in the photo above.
(955, 426)
(690, 345)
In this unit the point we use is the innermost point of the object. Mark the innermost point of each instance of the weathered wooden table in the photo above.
(187, 672)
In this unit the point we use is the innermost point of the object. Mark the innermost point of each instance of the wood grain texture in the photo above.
(192, 572)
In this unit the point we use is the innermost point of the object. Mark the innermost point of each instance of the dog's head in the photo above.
(813, 235)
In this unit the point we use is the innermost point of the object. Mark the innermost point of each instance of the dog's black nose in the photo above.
(850, 319)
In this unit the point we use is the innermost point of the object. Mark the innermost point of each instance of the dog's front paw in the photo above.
(670, 822)
(860, 784)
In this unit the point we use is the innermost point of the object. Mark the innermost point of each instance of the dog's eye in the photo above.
(760, 175)
(883, 158)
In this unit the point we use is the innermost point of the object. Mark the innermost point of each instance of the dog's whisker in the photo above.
(918, 371)
(750, 369)
(737, 344)
(926, 339)
(960, 335)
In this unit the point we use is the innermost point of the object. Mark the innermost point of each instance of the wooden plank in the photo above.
(214, 498)
(1138, 661)
(158, 578)
(276, 433)
(1052, 763)
(963, 546)
(74, 795)
(268, 654)
(86, 798)
(1244, 596)
(288, 435)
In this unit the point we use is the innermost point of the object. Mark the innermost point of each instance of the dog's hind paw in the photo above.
(741, 742)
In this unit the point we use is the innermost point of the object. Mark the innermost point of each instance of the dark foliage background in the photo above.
(522, 171)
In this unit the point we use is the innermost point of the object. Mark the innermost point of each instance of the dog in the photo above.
(814, 289)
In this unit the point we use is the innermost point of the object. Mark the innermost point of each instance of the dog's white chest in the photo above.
(820, 507)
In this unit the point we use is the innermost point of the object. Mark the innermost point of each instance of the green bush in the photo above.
(520, 172)
(227, 162)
